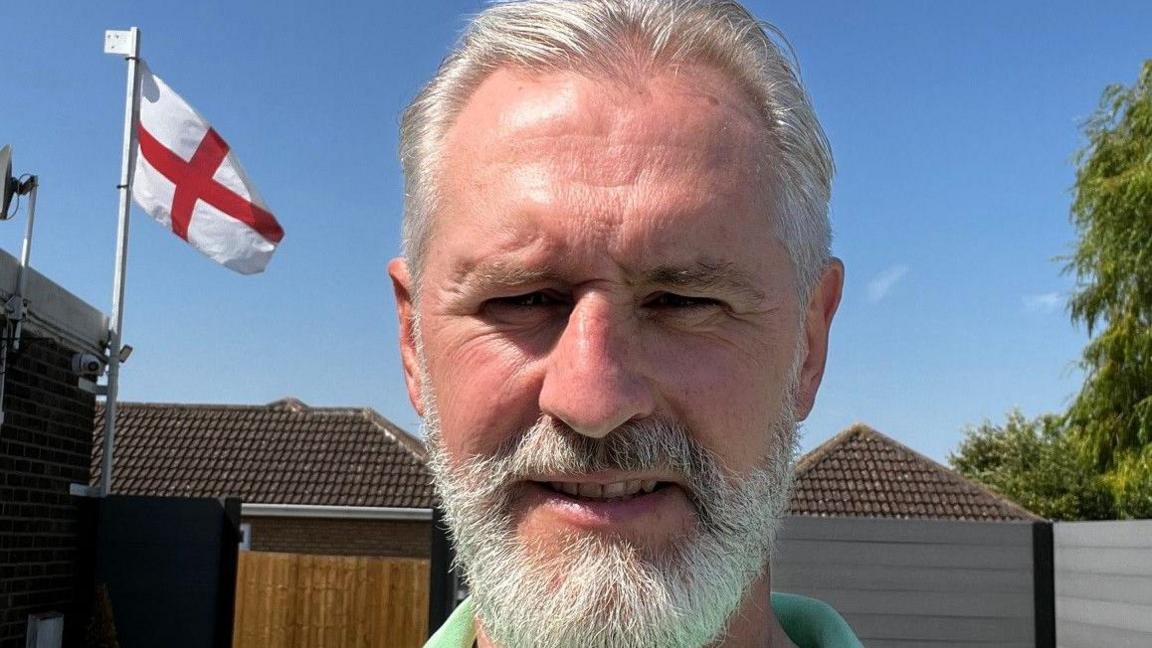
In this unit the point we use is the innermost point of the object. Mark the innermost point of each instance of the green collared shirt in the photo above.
(808, 622)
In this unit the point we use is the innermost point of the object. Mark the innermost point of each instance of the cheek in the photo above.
(729, 395)
(485, 390)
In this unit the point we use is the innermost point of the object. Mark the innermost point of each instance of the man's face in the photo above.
(603, 257)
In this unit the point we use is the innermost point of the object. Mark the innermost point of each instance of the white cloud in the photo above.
(882, 283)
(1043, 303)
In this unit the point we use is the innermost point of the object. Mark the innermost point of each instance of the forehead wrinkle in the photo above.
(594, 133)
(586, 161)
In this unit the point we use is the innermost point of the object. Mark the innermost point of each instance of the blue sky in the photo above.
(953, 126)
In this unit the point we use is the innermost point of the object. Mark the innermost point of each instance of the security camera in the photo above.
(87, 364)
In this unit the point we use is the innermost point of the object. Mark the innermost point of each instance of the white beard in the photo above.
(604, 592)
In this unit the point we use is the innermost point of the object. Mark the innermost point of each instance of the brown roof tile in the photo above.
(281, 453)
(863, 473)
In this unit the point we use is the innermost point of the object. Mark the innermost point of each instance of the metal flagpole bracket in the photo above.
(121, 41)
(126, 43)
(15, 309)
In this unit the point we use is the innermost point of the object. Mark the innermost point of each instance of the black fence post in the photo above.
(1044, 584)
(442, 586)
(84, 583)
(229, 564)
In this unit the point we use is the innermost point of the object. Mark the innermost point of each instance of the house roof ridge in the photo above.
(399, 435)
(861, 430)
(175, 405)
(820, 452)
(284, 452)
(952, 473)
(289, 402)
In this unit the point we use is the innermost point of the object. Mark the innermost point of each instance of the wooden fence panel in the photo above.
(306, 601)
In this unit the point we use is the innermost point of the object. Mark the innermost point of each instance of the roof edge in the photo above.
(406, 439)
(335, 512)
(821, 451)
(824, 449)
(53, 311)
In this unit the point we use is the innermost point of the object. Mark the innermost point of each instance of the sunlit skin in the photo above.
(603, 252)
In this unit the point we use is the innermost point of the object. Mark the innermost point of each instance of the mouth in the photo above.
(609, 503)
(621, 491)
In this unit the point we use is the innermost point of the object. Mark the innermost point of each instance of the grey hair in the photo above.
(624, 39)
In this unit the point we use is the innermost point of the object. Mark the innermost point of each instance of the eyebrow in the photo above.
(707, 275)
(700, 275)
(495, 274)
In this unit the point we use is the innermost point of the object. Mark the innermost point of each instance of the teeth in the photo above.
(591, 490)
(605, 491)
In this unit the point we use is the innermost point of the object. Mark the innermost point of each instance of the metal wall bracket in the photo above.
(83, 490)
(91, 387)
(15, 308)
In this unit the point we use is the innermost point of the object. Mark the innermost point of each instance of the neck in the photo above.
(753, 624)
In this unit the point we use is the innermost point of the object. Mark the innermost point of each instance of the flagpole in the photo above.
(128, 44)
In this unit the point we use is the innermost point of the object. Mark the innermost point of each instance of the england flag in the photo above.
(187, 178)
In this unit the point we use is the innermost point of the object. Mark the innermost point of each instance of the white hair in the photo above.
(625, 39)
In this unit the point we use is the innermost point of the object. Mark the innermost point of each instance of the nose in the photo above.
(592, 382)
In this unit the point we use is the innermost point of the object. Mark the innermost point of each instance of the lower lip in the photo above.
(601, 514)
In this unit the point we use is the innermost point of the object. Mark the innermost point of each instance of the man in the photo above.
(615, 300)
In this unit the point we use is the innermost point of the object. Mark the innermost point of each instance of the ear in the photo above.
(822, 305)
(405, 311)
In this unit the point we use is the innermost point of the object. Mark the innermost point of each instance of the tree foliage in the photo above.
(1094, 462)
(1034, 463)
(1112, 212)
(1131, 484)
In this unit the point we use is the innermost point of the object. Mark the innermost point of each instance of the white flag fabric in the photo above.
(187, 178)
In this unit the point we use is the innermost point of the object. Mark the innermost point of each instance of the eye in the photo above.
(533, 307)
(672, 301)
(528, 300)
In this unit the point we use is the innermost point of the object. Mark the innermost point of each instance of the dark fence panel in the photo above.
(169, 568)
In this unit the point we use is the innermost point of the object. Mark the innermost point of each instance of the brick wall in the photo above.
(381, 538)
(45, 445)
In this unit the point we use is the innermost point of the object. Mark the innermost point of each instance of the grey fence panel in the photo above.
(1134, 590)
(888, 629)
(1103, 573)
(1086, 634)
(918, 579)
(903, 531)
(918, 643)
(915, 582)
(1118, 561)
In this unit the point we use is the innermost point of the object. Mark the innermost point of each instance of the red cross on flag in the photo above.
(188, 179)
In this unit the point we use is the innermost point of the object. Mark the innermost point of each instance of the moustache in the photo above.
(551, 447)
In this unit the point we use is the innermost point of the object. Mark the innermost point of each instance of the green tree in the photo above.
(1036, 464)
(1131, 484)
(1095, 462)
(1112, 211)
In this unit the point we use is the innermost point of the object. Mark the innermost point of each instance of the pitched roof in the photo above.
(284, 452)
(863, 473)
